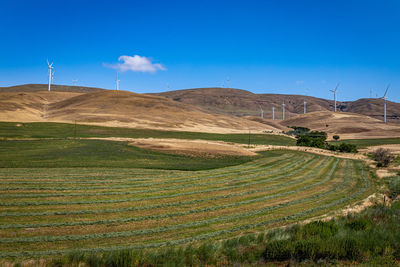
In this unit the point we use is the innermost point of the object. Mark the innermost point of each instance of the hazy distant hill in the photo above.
(244, 103)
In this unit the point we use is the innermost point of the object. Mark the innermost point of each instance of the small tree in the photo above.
(336, 137)
(383, 157)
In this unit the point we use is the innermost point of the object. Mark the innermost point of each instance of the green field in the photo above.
(58, 153)
(48, 211)
(63, 130)
(362, 143)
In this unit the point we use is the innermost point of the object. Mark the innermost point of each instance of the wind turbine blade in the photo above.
(47, 62)
(387, 88)
(337, 86)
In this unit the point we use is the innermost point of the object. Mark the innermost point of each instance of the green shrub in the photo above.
(206, 253)
(383, 157)
(347, 148)
(320, 229)
(353, 248)
(278, 250)
(358, 224)
(306, 249)
(394, 187)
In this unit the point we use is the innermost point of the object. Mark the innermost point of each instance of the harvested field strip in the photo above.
(268, 195)
(170, 181)
(21, 204)
(125, 220)
(253, 168)
(175, 227)
(118, 174)
(164, 205)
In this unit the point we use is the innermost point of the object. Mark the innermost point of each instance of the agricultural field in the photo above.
(52, 130)
(51, 211)
(100, 153)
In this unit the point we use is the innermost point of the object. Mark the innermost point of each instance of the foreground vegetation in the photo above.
(50, 211)
(371, 238)
(9, 130)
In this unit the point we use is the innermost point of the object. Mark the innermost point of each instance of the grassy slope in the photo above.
(362, 143)
(64, 130)
(98, 153)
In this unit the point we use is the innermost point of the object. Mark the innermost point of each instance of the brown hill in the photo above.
(118, 108)
(202, 109)
(44, 87)
(346, 125)
(29, 106)
(374, 108)
(244, 103)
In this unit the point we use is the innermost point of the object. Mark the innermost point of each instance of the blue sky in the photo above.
(262, 46)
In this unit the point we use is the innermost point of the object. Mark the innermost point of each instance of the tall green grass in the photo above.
(371, 237)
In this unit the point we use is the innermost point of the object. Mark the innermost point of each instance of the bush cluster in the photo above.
(383, 157)
(318, 140)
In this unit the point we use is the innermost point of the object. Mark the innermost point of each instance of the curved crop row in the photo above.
(170, 215)
(21, 204)
(186, 179)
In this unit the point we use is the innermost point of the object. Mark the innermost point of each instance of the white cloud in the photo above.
(137, 64)
(299, 82)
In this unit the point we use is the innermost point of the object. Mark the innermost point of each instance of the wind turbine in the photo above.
(74, 82)
(334, 93)
(227, 81)
(169, 87)
(50, 67)
(283, 111)
(305, 102)
(384, 97)
(262, 111)
(273, 113)
(117, 83)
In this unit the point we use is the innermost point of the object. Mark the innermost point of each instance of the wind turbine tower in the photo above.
(273, 113)
(305, 102)
(117, 83)
(334, 93)
(50, 67)
(283, 111)
(384, 97)
(262, 111)
(227, 82)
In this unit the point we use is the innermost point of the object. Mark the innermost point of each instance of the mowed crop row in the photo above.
(46, 211)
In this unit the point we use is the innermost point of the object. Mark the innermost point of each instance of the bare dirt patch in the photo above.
(394, 148)
(382, 173)
(308, 149)
(187, 147)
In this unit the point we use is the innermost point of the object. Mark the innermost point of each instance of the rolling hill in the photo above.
(244, 103)
(54, 87)
(346, 125)
(220, 110)
(118, 108)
